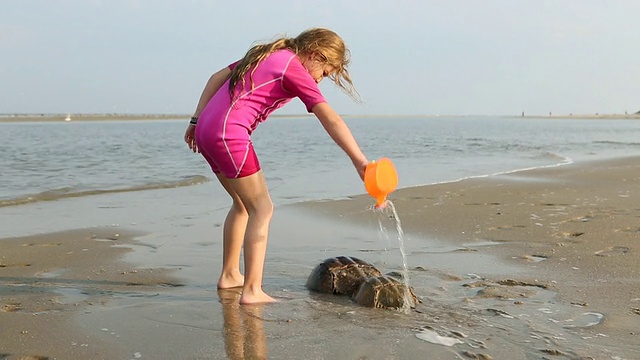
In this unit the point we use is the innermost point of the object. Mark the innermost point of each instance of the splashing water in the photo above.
(405, 269)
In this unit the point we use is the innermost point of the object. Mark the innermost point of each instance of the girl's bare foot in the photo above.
(255, 297)
(230, 280)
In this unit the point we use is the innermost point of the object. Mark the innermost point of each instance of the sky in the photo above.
(409, 57)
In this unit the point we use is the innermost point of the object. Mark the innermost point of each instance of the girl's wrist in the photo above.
(362, 162)
(194, 120)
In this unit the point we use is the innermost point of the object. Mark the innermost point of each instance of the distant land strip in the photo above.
(87, 117)
(102, 117)
(122, 117)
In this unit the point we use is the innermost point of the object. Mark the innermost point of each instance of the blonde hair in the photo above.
(324, 42)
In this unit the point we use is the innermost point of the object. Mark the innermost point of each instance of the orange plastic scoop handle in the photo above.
(380, 179)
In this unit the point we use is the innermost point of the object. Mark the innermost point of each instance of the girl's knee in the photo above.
(239, 207)
(263, 209)
(268, 208)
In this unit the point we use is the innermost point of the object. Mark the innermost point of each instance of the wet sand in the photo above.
(575, 228)
(46, 280)
(517, 266)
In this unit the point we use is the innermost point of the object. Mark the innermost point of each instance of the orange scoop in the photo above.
(380, 179)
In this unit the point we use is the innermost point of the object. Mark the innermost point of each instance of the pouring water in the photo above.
(389, 211)
(380, 180)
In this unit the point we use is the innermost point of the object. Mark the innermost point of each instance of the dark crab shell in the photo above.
(385, 292)
(340, 275)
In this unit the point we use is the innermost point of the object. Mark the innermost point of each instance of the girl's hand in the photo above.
(190, 138)
(361, 167)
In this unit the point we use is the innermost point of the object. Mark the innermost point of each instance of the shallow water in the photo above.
(202, 323)
(192, 322)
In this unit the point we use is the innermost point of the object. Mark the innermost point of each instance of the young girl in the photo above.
(233, 103)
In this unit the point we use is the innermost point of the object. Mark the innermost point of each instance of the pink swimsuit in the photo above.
(223, 134)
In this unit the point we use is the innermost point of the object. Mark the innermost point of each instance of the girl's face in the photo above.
(317, 67)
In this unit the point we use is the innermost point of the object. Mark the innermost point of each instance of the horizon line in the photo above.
(179, 115)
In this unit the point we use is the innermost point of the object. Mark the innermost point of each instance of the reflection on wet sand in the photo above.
(244, 336)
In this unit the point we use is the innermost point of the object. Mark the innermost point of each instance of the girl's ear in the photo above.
(305, 57)
(316, 56)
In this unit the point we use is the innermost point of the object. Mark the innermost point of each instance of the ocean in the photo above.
(50, 161)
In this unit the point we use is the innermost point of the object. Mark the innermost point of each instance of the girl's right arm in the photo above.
(340, 133)
(213, 85)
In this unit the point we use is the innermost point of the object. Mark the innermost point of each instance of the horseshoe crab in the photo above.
(340, 275)
(385, 292)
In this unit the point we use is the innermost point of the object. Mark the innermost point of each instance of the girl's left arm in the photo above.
(341, 135)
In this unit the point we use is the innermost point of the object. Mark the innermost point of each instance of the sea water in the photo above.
(46, 161)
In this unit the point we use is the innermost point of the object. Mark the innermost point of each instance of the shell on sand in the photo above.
(341, 275)
(385, 292)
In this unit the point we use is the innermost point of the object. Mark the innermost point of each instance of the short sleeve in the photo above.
(297, 81)
(233, 65)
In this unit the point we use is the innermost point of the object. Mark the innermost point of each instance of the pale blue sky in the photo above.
(484, 57)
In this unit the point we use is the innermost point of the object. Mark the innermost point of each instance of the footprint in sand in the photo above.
(614, 250)
(572, 234)
(8, 265)
(11, 307)
(44, 245)
(506, 227)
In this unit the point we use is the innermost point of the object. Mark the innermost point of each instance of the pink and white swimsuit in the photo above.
(224, 129)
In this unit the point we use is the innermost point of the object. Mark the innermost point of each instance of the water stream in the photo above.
(388, 210)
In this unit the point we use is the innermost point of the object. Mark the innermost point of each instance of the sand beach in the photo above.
(575, 229)
(533, 264)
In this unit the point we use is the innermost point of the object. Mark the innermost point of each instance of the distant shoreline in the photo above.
(8, 118)
(584, 116)
(87, 117)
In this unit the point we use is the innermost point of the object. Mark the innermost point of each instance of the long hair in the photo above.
(324, 42)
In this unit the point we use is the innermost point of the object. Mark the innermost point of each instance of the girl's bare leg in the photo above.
(252, 191)
(232, 239)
